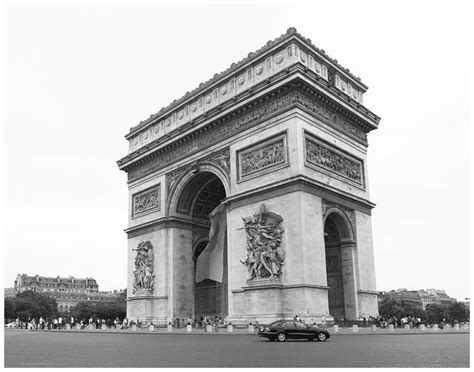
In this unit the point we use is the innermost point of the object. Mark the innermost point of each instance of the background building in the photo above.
(419, 297)
(9, 292)
(67, 292)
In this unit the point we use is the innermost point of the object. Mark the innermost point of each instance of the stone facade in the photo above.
(284, 131)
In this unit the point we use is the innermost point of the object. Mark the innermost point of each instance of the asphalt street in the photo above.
(81, 349)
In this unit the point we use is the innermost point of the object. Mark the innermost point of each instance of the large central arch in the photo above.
(201, 193)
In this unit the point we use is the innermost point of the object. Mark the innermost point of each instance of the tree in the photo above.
(9, 307)
(398, 308)
(84, 311)
(29, 305)
(435, 313)
(458, 311)
(101, 310)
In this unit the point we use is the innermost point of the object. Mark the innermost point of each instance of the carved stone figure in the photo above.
(144, 277)
(265, 256)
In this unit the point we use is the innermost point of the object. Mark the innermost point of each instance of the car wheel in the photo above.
(321, 336)
(281, 337)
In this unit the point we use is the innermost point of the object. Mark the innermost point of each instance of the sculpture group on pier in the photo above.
(144, 277)
(265, 256)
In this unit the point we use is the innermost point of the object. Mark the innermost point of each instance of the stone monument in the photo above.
(279, 140)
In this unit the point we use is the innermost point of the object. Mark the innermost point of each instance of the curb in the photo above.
(224, 333)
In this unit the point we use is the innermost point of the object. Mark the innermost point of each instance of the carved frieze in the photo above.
(268, 155)
(143, 275)
(146, 201)
(265, 255)
(234, 124)
(322, 155)
(335, 120)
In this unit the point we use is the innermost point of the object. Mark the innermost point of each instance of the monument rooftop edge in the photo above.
(275, 59)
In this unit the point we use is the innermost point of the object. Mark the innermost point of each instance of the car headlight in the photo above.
(267, 329)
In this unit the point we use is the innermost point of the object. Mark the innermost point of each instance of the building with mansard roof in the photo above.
(419, 297)
(67, 291)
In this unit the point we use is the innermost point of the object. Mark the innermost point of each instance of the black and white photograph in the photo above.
(236, 184)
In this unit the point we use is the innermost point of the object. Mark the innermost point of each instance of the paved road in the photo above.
(74, 349)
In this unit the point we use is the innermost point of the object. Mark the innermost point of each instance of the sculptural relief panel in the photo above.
(323, 156)
(146, 201)
(268, 155)
(143, 275)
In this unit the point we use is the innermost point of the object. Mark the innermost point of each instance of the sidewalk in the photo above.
(245, 331)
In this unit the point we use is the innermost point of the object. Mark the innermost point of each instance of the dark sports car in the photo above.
(283, 329)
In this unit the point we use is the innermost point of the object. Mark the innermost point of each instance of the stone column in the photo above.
(349, 280)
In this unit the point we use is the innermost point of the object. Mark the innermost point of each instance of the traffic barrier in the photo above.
(151, 328)
(189, 328)
(422, 327)
(68, 326)
(230, 328)
(78, 327)
(465, 327)
(250, 328)
(435, 327)
(209, 328)
(90, 327)
(391, 328)
(134, 327)
(373, 328)
(447, 326)
(336, 328)
(170, 327)
(406, 326)
(355, 328)
(103, 327)
(456, 327)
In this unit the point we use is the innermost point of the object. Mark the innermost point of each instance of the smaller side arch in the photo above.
(343, 223)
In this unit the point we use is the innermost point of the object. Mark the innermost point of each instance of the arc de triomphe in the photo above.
(275, 147)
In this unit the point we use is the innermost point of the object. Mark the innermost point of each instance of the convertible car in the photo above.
(283, 329)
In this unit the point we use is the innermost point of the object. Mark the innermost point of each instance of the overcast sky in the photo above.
(78, 75)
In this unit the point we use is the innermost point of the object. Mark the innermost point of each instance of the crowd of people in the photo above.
(63, 322)
(214, 321)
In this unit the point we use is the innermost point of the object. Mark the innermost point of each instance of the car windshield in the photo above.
(301, 325)
(278, 322)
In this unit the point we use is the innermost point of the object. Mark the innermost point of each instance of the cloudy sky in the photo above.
(78, 75)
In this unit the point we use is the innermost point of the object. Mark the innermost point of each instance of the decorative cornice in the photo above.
(276, 284)
(301, 183)
(234, 66)
(163, 223)
(293, 95)
(276, 56)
